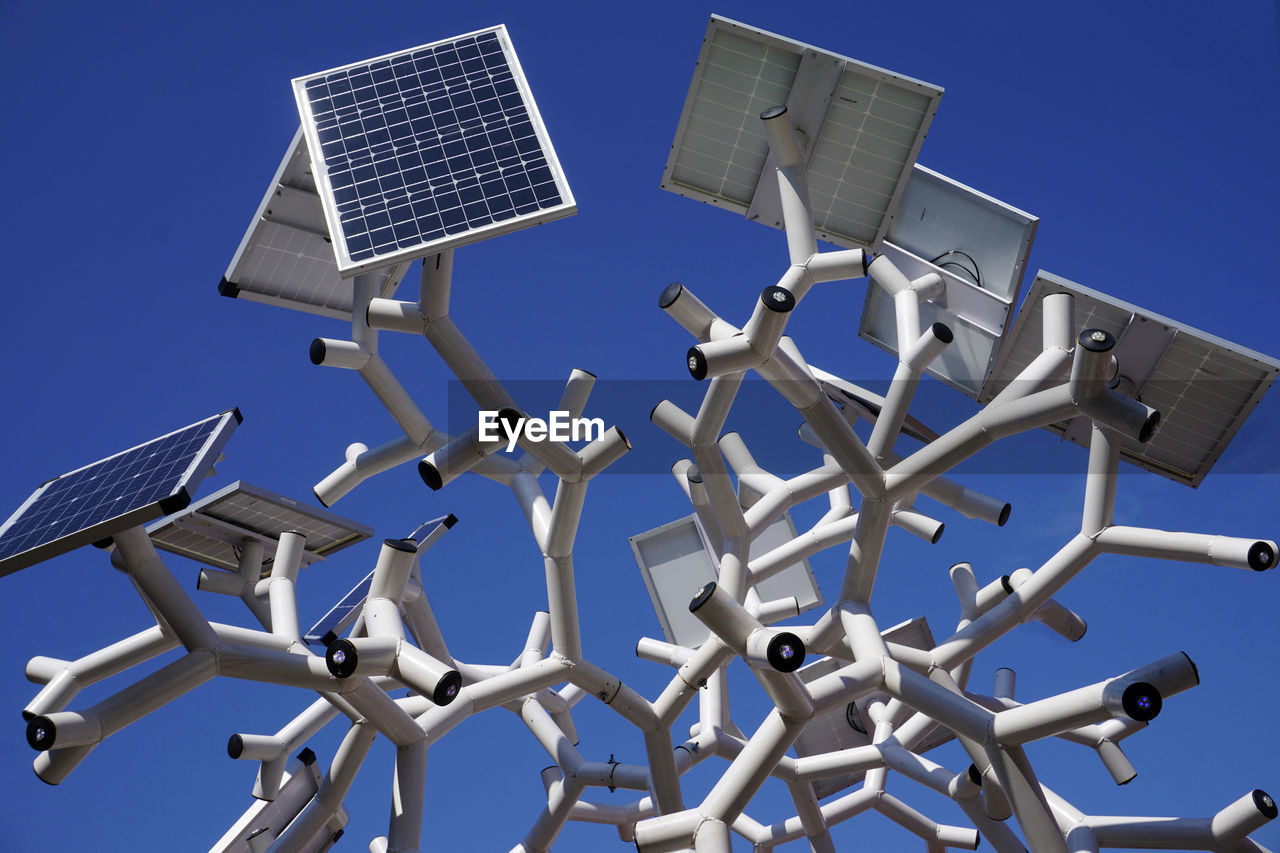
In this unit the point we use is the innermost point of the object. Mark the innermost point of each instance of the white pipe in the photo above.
(1235, 552)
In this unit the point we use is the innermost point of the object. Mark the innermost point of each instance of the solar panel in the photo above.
(286, 257)
(1203, 387)
(676, 560)
(114, 494)
(860, 129)
(428, 148)
(340, 616)
(979, 245)
(213, 529)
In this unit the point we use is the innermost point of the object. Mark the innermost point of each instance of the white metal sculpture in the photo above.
(909, 693)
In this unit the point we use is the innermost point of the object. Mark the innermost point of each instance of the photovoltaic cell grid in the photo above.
(114, 494)
(1203, 387)
(429, 148)
(213, 529)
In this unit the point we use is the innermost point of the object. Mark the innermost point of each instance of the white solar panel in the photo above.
(99, 500)
(861, 128)
(286, 257)
(676, 560)
(979, 245)
(427, 149)
(1203, 387)
(213, 529)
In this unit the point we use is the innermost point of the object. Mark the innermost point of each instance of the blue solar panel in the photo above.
(429, 148)
(114, 494)
(340, 616)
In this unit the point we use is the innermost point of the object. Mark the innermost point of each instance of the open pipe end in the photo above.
(1266, 804)
(235, 746)
(447, 688)
(1149, 428)
(779, 299)
(670, 294)
(41, 733)
(430, 475)
(341, 658)
(773, 112)
(317, 351)
(702, 597)
(1141, 701)
(1262, 556)
(697, 363)
(1004, 515)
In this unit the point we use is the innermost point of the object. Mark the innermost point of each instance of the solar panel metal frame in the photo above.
(1183, 402)
(349, 267)
(822, 81)
(939, 215)
(201, 462)
(286, 256)
(672, 605)
(207, 532)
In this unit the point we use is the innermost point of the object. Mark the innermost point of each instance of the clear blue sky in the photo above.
(139, 139)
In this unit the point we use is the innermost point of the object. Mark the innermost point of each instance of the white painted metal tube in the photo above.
(82, 728)
(743, 778)
(1057, 571)
(466, 364)
(712, 836)
(347, 355)
(446, 464)
(390, 574)
(689, 311)
(668, 833)
(1100, 481)
(793, 192)
(435, 283)
(280, 585)
(408, 792)
(845, 447)
(968, 502)
(63, 679)
(790, 375)
(810, 815)
(362, 463)
(858, 759)
(573, 401)
(162, 590)
(782, 651)
(674, 421)
(918, 524)
(1240, 553)
(838, 265)
(664, 779)
(1116, 762)
(1050, 367)
(806, 544)
(959, 443)
(534, 505)
(914, 357)
(657, 651)
(865, 551)
(393, 315)
(562, 602)
(965, 838)
(333, 790)
(954, 711)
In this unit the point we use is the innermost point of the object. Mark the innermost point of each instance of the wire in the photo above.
(974, 273)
